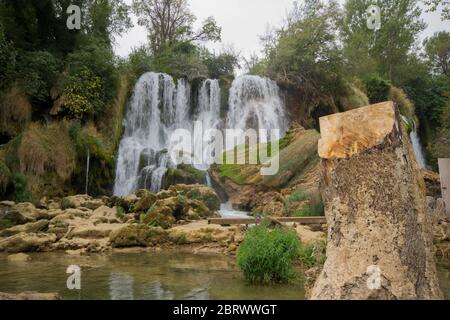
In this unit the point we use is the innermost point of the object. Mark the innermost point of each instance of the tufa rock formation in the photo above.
(379, 237)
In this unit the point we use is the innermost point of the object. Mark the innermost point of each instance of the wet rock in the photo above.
(27, 242)
(378, 224)
(145, 203)
(199, 192)
(32, 227)
(19, 257)
(30, 296)
(137, 236)
(10, 216)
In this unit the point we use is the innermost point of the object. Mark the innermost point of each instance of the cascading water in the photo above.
(158, 108)
(417, 146)
(255, 103)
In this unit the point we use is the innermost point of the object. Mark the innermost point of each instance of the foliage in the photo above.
(305, 54)
(171, 21)
(313, 255)
(386, 51)
(405, 105)
(433, 6)
(266, 256)
(20, 187)
(15, 111)
(7, 59)
(377, 88)
(82, 94)
(438, 52)
(37, 73)
(5, 177)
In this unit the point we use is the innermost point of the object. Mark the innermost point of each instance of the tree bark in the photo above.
(379, 236)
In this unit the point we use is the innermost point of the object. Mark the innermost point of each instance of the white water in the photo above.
(158, 107)
(226, 212)
(255, 103)
(418, 150)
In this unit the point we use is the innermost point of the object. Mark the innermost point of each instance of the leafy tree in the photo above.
(377, 89)
(438, 52)
(386, 50)
(7, 59)
(170, 21)
(306, 55)
(221, 65)
(433, 5)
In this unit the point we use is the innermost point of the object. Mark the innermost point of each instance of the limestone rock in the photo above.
(379, 234)
(30, 296)
(27, 242)
(19, 257)
(32, 227)
(10, 216)
(137, 236)
(199, 192)
(351, 133)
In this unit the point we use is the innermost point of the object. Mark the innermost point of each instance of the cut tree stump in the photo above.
(379, 236)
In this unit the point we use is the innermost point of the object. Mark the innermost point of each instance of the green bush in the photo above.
(377, 88)
(20, 184)
(266, 256)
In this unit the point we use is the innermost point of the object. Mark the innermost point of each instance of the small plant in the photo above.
(20, 184)
(266, 256)
(313, 255)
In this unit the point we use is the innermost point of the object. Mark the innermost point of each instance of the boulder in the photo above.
(137, 236)
(199, 192)
(27, 242)
(183, 174)
(10, 216)
(78, 201)
(32, 227)
(379, 233)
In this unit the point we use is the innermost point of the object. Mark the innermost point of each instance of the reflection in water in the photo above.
(149, 276)
(121, 286)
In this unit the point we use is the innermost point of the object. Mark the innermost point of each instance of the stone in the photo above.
(32, 227)
(199, 192)
(19, 257)
(27, 242)
(30, 296)
(350, 133)
(379, 234)
(137, 236)
(10, 216)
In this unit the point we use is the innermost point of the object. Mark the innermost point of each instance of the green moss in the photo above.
(183, 174)
(20, 187)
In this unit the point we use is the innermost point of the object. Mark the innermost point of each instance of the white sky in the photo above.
(242, 22)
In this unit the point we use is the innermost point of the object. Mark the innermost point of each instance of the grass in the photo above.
(266, 256)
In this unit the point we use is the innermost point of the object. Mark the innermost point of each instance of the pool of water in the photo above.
(142, 276)
(150, 276)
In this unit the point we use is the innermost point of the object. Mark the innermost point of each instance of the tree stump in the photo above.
(379, 235)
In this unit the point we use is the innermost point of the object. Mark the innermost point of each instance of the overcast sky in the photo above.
(242, 22)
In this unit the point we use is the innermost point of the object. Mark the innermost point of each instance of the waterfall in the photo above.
(418, 150)
(255, 103)
(158, 107)
(88, 163)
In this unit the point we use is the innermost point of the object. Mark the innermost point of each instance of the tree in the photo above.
(386, 50)
(438, 52)
(306, 56)
(170, 21)
(433, 5)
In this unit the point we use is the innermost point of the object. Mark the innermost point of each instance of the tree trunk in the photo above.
(379, 238)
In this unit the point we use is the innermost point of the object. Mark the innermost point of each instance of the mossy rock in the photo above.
(10, 217)
(145, 203)
(183, 174)
(158, 219)
(199, 192)
(137, 236)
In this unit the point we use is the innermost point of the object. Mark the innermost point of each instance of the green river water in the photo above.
(148, 276)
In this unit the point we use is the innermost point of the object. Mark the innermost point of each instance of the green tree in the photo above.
(171, 21)
(384, 51)
(438, 52)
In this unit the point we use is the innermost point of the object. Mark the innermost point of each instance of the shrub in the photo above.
(266, 255)
(377, 88)
(20, 185)
(313, 255)
(15, 110)
(404, 104)
(5, 176)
